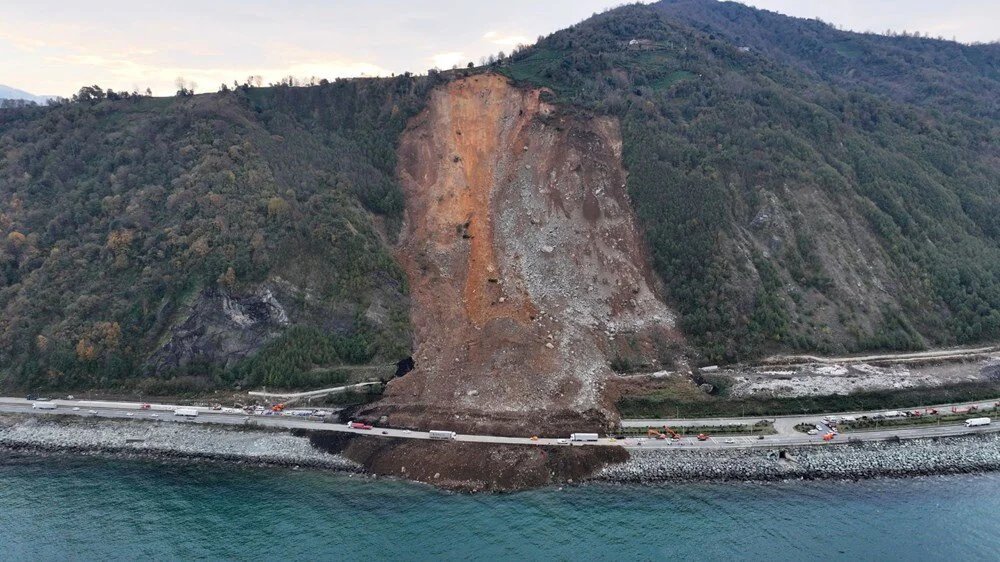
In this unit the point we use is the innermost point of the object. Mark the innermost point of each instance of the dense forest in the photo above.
(120, 215)
(800, 187)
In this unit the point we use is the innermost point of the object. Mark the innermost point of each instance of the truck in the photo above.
(976, 422)
(43, 406)
(583, 437)
(358, 425)
(186, 412)
(440, 434)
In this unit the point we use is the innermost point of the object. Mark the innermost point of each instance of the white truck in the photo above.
(440, 434)
(583, 437)
(43, 406)
(976, 422)
(186, 412)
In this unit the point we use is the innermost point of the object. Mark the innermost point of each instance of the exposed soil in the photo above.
(470, 467)
(527, 271)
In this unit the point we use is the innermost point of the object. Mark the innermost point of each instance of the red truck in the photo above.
(358, 425)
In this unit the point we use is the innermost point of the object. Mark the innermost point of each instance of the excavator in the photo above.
(650, 432)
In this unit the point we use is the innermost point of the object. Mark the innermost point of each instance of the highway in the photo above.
(163, 413)
(785, 425)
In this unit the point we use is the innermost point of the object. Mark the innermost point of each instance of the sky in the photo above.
(57, 46)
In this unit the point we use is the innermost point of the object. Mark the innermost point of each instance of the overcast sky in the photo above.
(56, 46)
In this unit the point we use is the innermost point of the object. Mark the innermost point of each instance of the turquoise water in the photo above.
(89, 508)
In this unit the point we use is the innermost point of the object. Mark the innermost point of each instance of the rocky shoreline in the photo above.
(143, 439)
(165, 440)
(944, 455)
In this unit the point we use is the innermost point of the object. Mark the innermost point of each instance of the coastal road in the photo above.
(163, 413)
(785, 425)
(934, 354)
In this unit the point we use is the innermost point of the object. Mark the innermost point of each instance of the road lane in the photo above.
(785, 425)
(164, 413)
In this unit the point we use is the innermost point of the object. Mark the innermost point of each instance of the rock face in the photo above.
(222, 328)
(524, 262)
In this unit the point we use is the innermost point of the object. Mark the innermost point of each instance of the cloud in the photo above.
(448, 60)
(506, 40)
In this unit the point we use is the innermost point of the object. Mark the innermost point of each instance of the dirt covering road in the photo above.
(527, 271)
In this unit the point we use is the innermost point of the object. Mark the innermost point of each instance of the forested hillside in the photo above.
(801, 187)
(128, 225)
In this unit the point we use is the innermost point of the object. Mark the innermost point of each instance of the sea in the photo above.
(65, 507)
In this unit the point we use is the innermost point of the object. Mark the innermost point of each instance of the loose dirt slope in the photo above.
(525, 264)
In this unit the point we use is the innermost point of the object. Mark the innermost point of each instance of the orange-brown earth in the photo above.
(527, 272)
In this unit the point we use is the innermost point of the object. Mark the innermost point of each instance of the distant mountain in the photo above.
(9, 93)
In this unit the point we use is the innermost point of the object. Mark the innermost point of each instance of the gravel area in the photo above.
(829, 379)
(166, 439)
(847, 461)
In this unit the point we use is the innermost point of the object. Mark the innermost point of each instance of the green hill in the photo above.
(800, 188)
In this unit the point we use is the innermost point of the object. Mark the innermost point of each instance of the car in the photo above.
(562, 441)
(385, 432)
(730, 441)
(76, 409)
(702, 437)
(145, 406)
(31, 397)
(92, 412)
(812, 432)
(129, 414)
(154, 415)
(534, 438)
(760, 437)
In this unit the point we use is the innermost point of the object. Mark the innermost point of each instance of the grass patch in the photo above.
(678, 400)
(760, 428)
(536, 68)
(670, 79)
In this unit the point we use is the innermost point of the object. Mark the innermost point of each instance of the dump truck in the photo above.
(186, 412)
(976, 422)
(441, 434)
(583, 437)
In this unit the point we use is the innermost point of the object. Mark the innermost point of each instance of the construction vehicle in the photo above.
(829, 436)
(968, 410)
(277, 407)
(650, 432)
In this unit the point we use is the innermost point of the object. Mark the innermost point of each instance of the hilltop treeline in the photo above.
(118, 212)
(801, 187)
